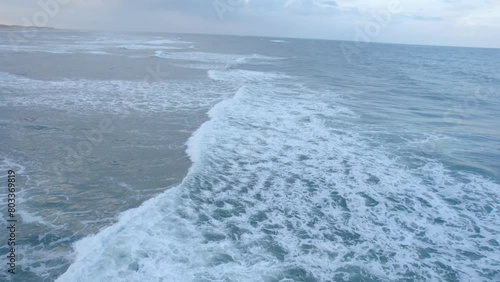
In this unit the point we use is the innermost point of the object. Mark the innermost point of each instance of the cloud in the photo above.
(200, 8)
(484, 16)
(422, 17)
(426, 20)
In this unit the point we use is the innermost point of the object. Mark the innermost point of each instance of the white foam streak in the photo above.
(115, 96)
(214, 58)
(148, 47)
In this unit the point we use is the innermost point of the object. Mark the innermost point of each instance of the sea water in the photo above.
(296, 161)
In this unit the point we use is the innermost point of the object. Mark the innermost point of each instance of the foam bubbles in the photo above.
(166, 41)
(90, 96)
(147, 47)
(240, 76)
(282, 189)
(215, 58)
(95, 44)
(8, 164)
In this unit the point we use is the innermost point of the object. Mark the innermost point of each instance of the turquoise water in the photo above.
(315, 167)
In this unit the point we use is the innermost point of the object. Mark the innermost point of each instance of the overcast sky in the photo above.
(435, 22)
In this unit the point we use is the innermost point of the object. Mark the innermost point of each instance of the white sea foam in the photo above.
(282, 190)
(214, 58)
(58, 49)
(240, 76)
(166, 41)
(8, 164)
(90, 96)
(98, 53)
(28, 217)
(148, 47)
(74, 45)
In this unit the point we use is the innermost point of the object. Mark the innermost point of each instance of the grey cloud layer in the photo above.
(206, 8)
(456, 22)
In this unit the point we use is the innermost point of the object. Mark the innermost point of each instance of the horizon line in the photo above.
(255, 35)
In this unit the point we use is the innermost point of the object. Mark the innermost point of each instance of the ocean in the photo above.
(182, 157)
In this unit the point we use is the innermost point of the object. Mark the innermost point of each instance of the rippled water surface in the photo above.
(254, 159)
